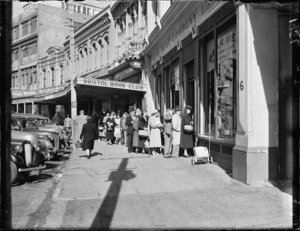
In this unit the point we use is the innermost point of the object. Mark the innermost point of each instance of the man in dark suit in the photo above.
(128, 122)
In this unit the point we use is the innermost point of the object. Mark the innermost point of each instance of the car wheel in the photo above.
(14, 171)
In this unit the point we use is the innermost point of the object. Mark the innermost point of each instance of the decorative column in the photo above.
(17, 108)
(257, 104)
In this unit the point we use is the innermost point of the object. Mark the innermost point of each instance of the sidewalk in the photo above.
(118, 190)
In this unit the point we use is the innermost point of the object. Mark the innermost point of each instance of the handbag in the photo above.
(143, 133)
(188, 128)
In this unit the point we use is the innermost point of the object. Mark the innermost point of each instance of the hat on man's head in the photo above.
(177, 108)
(130, 110)
(188, 107)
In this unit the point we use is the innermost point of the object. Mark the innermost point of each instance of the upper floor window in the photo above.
(16, 32)
(61, 74)
(84, 10)
(15, 54)
(33, 24)
(33, 49)
(52, 76)
(88, 11)
(25, 51)
(78, 9)
(25, 28)
(44, 78)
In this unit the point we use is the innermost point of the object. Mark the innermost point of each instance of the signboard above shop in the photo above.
(111, 84)
(22, 93)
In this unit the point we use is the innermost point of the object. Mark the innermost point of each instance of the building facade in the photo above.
(226, 60)
(32, 32)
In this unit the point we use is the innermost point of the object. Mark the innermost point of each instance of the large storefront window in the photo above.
(226, 82)
(220, 91)
(175, 83)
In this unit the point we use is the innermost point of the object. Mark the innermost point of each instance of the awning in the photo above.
(103, 88)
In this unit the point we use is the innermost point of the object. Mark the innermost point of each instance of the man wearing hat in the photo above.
(187, 139)
(129, 124)
(176, 130)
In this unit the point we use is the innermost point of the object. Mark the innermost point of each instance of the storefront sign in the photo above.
(189, 24)
(22, 93)
(112, 84)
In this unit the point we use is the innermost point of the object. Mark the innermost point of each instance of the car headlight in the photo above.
(19, 148)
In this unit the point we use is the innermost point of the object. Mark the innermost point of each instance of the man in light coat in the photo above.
(80, 121)
(176, 128)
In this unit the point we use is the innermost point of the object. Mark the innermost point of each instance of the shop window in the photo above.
(226, 78)
(175, 86)
(190, 92)
(219, 85)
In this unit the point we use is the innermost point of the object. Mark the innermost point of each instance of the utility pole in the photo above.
(72, 72)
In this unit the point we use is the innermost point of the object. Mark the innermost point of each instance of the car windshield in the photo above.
(31, 123)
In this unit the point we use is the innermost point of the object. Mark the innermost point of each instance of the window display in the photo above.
(226, 51)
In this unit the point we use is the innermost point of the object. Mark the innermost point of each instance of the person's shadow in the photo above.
(92, 154)
(105, 213)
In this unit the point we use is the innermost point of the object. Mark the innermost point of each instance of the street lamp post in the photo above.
(72, 72)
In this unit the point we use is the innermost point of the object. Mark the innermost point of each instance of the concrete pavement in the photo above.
(118, 190)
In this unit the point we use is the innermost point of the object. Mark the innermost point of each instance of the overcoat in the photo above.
(80, 121)
(155, 137)
(135, 142)
(88, 133)
(128, 122)
(142, 124)
(176, 129)
(186, 138)
(110, 129)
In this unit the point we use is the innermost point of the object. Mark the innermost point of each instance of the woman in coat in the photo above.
(176, 131)
(110, 128)
(88, 135)
(135, 125)
(155, 137)
(186, 138)
(168, 133)
(143, 125)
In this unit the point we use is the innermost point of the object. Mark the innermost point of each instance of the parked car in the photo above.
(30, 123)
(27, 155)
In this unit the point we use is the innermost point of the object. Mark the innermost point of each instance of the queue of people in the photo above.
(154, 135)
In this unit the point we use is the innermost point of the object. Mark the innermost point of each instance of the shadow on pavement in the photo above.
(105, 213)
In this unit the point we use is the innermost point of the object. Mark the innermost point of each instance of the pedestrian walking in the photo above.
(110, 124)
(124, 129)
(80, 120)
(155, 137)
(56, 119)
(68, 122)
(129, 123)
(143, 125)
(101, 127)
(88, 135)
(176, 131)
(186, 137)
(168, 133)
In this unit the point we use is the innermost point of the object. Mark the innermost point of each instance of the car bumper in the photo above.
(33, 169)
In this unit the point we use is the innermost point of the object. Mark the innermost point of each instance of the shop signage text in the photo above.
(19, 93)
(112, 84)
(180, 31)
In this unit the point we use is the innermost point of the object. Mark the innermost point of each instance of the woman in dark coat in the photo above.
(142, 125)
(89, 133)
(110, 124)
(187, 139)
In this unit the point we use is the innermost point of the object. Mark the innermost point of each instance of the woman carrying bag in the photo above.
(143, 128)
(187, 139)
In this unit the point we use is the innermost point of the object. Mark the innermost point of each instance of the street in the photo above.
(118, 190)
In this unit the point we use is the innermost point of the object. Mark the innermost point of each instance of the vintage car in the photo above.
(30, 123)
(27, 155)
